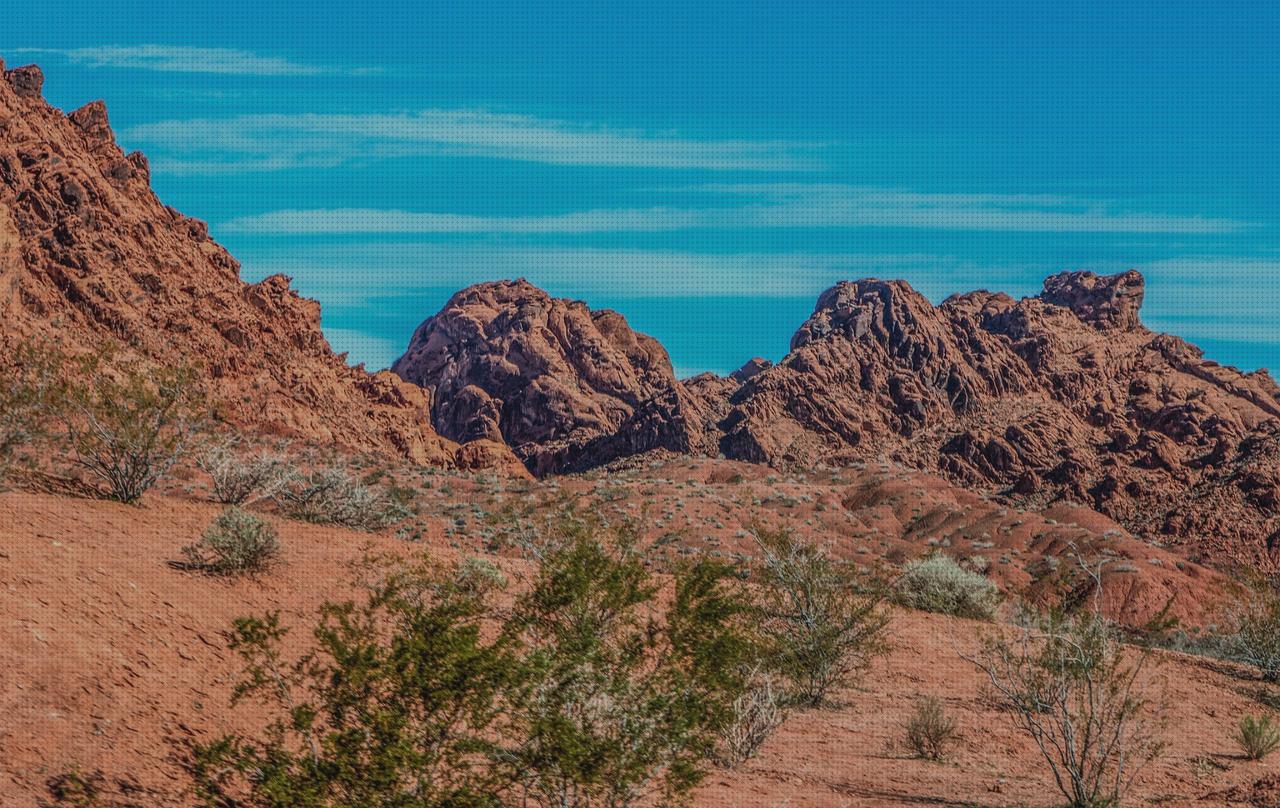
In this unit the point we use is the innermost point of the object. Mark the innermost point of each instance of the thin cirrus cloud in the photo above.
(188, 59)
(246, 143)
(763, 206)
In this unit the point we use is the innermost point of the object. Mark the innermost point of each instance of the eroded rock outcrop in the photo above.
(1063, 396)
(88, 253)
(566, 387)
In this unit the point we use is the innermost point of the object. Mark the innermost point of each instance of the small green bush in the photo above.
(930, 730)
(127, 423)
(822, 618)
(1258, 737)
(585, 691)
(237, 542)
(332, 496)
(939, 584)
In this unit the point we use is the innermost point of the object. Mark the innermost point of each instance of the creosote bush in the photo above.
(939, 584)
(582, 689)
(239, 479)
(1070, 684)
(127, 423)
(237, 542)
(1258, 737)
(823, 620)
(332, 496)
(929, 730)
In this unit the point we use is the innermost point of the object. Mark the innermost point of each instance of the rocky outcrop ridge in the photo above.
(88, 253)
(566, 387)
(1062, 396)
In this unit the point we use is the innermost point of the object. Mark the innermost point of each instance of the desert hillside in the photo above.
(114, 659)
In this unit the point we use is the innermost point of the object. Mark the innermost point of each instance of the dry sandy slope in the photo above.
(107, 653)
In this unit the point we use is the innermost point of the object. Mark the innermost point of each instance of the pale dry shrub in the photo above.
(939, 584)
(236, 542)
(332, 496)
(753, 717)
(237, 478)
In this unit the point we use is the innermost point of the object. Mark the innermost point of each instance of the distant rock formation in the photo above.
(88, 253)
(1065, 396)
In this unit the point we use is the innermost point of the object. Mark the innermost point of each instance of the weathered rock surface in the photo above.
(566, 387)
(88, 253)
(1063, 396)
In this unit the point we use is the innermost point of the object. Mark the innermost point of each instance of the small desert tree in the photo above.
(399, 704)
(128, 423)
(823, 619)
(619, 704)
(1071, 685)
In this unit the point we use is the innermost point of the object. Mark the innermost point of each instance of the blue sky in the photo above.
(705, 168)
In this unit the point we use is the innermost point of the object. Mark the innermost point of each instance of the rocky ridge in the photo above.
(88, 253)
(1064, 396)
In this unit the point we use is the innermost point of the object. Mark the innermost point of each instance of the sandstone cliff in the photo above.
(88, 253)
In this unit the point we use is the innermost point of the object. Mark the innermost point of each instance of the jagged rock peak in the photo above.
(855, 309)
(27, 81)
(89, 254)
(1100, 300)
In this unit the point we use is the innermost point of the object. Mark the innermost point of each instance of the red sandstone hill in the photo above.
(566, 387)
(1061, 397)
(88, 253)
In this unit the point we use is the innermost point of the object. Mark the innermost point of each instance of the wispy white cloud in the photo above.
(354, 274)
(768, 206)
(188, 59)
(225, 145)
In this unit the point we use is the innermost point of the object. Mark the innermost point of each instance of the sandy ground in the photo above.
(110, 658)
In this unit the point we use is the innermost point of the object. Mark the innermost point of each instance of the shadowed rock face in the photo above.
(567, 387)
(88, 253)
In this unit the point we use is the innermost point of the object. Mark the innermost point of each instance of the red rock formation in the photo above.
(566, 387)
(1064, 396)
(88, 253)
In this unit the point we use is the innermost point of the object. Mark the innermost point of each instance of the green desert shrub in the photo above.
(929, 730)
(939, 584)
(822, 618)
(332, 496)
(127, 423)
(1258, 737)
(236, 542)
(582, 689)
